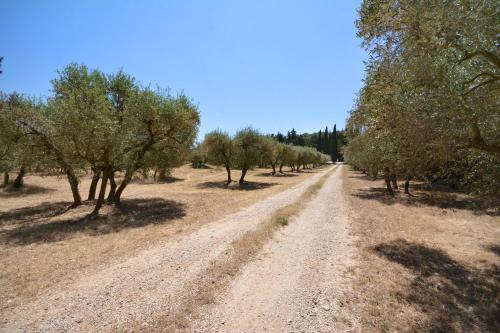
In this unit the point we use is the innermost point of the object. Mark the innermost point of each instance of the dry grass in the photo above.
(424, 265)
(44, 246)
(202, 291)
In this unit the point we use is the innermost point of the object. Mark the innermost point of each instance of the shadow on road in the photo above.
(247, 186)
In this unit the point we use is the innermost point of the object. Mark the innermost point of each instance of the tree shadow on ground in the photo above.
(134, 213)
(455, 298)
(203, 166)
(309, 170)
(246, 186)
(493, 248)
(434, 199)
(362, 176)
(27, 214)
(277, 174)
(167, 180)
(25, 190)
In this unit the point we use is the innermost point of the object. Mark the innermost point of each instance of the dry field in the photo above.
(428, 263)
(331, 252)
(42, 246)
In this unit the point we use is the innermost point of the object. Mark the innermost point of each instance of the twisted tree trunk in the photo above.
(394, 182)
(407, 185)
(228, 170)
(102, 194)
(6, 179)
(242, 178)
(19, 181)
(96, 175)
(112, 190)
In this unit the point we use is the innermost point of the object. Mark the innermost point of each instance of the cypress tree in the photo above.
(334, 152)
(326, 140)
(320, 141)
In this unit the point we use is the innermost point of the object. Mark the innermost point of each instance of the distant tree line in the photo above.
(325, 141)
(248, 149)
(429, 107)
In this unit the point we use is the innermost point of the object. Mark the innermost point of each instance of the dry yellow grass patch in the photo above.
(42, 247)
(422, 268)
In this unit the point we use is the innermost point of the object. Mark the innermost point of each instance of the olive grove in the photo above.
(429, 105)
(108, 124)
(248, 149)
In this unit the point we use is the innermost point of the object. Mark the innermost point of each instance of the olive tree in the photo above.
(269, 153)
(247, 144)
(288, 155)
(154, 121)
(220, 150)
(198, 156)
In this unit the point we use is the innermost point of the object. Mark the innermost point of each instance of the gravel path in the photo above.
(298, 282)
(146, 286)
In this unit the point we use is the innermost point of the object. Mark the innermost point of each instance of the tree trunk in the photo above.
(73, 180)
(73, 183)
(274, 169)
(394, 182)
(96, 175)
(228, 170)
(407, 185)
(298, 167)
(19, 181)
(242, 178)
(389, 188)
(102, 194)
(281, 167)
(6, 179)
(126, 180)
(112, 190)
(162, 174)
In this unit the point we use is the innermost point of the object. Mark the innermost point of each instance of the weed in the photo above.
(282, 220)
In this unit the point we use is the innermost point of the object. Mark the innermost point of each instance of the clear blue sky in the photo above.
(273, 65)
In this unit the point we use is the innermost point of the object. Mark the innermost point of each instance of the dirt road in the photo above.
(297, 282)
(292, 284)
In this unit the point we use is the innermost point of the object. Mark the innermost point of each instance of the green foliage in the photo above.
(329, 143)
(198, 157)
(281, 220)
(247, 143)
(430, 99)
(105, 122)
(269, 152)
(219, 148)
